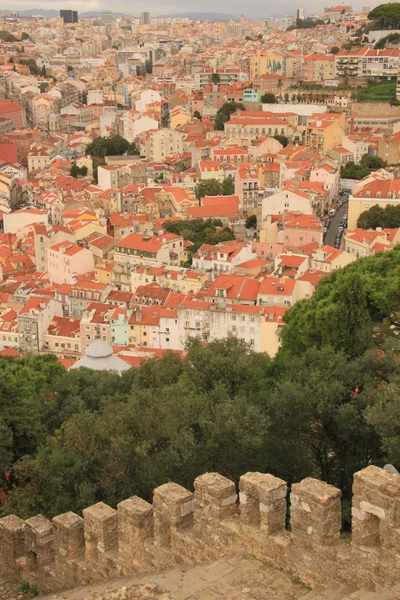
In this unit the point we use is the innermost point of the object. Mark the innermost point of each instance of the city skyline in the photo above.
(253, 10)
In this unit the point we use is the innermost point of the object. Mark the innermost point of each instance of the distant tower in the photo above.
(106, 16)
(300, 14)
(69, 16)
(366, 9)
(145, 18)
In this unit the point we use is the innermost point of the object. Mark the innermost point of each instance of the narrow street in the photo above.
(330, 235)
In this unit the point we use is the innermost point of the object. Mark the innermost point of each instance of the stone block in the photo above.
(135, 519)
(12, 543)
(135, 526)
(315, 512)
(173, 512)
(215, 498)
(376, 507)
(39, 548)
(100, 530)
(69, 536)
(263, 501)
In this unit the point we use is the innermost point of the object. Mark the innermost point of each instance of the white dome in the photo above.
(99, 356)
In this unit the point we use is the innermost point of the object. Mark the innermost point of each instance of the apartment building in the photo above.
(243, 131)
(62, 338)
(149, 250)
(247, 189)
(165, 143)
(66, 261)
(363, 63)
(319, 67)
(324, 132)
(33, 322)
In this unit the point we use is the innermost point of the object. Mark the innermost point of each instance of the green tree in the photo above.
(107, 146)
(84, 171)
(75, 171)
(43, 71)
(282, 139)
(377, 216)
(386, 15)
(208, 187)
(352, 171)
(228, 186)
(224, 113)
(31, 64)
(372, 162)
(251, 222)
(25, 36)
(132, 150)
(215, 78)
(197, 115)
(269, 99)
(96, 163)
(335, 49)
(6, 36)
(84, 98)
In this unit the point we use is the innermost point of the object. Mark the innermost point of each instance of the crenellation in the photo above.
(12, 544)
(316, 516)
(376, 508)
(135, 528)
(101, 539)
(173, 512)
(263, 501)
(182, 527)
(40, 556)
(215, 500)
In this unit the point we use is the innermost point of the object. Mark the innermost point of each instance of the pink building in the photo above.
(300, 230)
(66, 261)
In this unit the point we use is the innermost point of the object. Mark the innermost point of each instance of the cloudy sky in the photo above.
(252, 8)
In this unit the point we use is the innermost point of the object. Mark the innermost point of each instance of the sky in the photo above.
(252, 8)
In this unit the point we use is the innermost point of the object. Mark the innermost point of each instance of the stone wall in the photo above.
(186, 528)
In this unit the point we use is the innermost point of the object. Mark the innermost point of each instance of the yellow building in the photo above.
(324, 132)
(179, 116)
(266, 62)
(381, 192)
(319, 67)
(103, 272)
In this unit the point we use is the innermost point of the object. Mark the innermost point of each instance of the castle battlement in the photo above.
(184, 527)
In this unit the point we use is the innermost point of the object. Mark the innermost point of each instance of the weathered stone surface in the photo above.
(142, 538)
(263, 501)
(376, 508)
(315, 512)
(101, 531)
(135, 526)
(215, 500)
(173, 512)
(12, 543)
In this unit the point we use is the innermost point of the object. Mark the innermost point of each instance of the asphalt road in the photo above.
(330, 235)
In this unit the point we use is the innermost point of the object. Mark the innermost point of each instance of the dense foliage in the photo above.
(107, 146)
(326, 406)
(200, 231)
(269, 98)
(386, 15)
(367, 164)
(376, 216)
(392, 38)
(224, 113)
(305, 24)
(213, 187)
